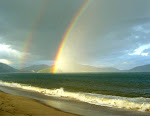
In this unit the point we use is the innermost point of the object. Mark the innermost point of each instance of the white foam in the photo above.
(140, 103)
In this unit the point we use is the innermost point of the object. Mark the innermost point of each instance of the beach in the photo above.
(11, 105)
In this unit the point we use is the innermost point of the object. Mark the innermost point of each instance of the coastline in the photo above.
(36, 104)
(21, 106)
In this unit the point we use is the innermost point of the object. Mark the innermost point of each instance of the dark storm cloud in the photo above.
(108, 33)
(18, 17)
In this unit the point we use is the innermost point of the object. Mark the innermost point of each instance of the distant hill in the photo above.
(35, 68)
(73, 68)
(4, 68)
(144, 68)
(48, 70)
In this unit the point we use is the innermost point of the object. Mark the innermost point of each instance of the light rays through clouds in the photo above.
(141, 49)
(142, 32)
(8, 54)
(5, 61)
(125, 48)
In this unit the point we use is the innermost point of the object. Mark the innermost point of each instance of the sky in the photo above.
(110, 33)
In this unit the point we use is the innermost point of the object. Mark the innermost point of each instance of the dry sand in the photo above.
(12, 105)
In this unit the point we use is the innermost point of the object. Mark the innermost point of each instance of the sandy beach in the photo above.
(11, 105)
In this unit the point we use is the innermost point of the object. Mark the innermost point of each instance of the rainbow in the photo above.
(67, 33)
(31, 33)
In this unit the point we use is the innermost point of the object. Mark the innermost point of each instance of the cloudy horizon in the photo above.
(110, 33)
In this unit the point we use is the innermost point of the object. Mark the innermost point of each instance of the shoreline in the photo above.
(11, 105)
(53, 106)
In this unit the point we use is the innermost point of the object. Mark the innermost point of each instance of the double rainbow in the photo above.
(64, 38)
(67, 33)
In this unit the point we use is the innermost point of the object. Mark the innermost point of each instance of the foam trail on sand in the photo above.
(139, 103)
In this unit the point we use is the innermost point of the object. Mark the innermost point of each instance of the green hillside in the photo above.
(35, 68)
(48, 70)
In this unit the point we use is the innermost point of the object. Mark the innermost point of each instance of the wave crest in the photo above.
(140, 104)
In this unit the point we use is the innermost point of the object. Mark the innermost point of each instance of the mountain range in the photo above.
(87, 68)
(144, 68)
(4, 68)
(34, 68)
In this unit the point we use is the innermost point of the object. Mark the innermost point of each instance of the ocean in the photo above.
(125, 93)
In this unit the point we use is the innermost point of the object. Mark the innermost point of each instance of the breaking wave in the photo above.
(138, 103)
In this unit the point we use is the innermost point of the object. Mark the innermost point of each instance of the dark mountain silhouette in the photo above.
(74, 67)
(144, 68)
(4, 68)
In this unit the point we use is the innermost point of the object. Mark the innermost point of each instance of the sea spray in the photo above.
(139, 103)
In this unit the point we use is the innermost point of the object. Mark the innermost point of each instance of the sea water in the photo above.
(127, 91)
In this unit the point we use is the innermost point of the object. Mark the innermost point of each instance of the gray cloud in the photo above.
(106, 33)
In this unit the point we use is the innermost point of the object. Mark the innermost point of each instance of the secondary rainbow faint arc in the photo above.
(31, 33)
(67, 33)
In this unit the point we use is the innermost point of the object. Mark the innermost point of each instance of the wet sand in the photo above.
(11, 105)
